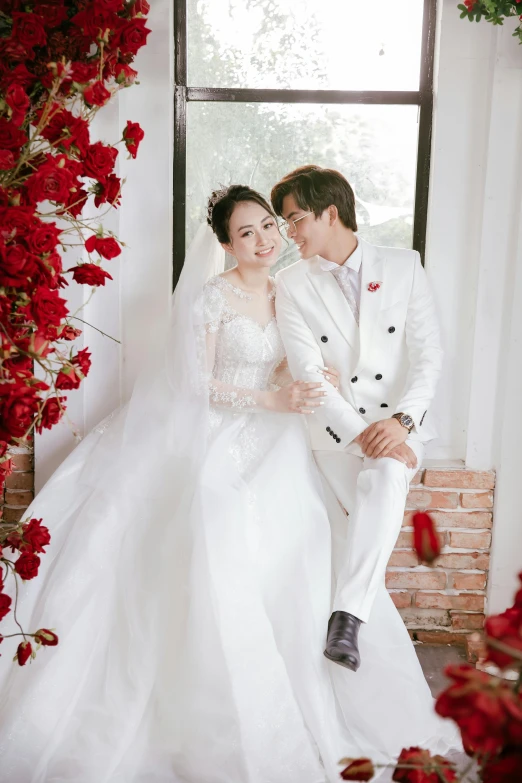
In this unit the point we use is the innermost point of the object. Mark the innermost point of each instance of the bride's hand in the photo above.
(332, 376)
(297, 397)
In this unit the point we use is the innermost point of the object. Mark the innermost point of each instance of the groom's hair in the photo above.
(316, 189)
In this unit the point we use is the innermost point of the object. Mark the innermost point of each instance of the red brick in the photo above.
(460, 479)
(439, 637)
(402, 600)
(463, 621)
(417, 479)
(403, 559)
(423, 498)
(18, 498)
(463, 581)
(476, 499)
(475, 560)
(405, 540)
(466, 601)
(13, 514)
(20, 481)
(22, 461)
(476, 650)
(461, 540)
(464, 519)
(420, 580)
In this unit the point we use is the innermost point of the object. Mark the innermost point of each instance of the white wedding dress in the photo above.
(192, 624)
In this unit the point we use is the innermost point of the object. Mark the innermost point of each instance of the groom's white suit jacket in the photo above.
(390, 363)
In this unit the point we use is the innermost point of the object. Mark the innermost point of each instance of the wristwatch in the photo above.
(404, 419)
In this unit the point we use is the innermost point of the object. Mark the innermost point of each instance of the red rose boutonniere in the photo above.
(374, 286)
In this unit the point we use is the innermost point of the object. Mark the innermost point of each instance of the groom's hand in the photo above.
(381, 437)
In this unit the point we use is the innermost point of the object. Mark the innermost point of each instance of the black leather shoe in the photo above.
(341, 644)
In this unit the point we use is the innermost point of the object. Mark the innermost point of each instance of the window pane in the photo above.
(255, 144)
(310, 44)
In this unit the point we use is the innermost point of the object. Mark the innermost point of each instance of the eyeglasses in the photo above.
(288, 225)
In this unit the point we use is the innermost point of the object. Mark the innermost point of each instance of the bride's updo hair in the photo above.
(222, 203)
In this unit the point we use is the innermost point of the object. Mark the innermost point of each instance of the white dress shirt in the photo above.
(348, 276)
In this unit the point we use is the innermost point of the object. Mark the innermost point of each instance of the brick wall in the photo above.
(19, 486)
(447, 602)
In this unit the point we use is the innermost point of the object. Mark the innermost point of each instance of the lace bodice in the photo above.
(243, 352)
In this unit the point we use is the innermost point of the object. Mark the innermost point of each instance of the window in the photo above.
(264, 86)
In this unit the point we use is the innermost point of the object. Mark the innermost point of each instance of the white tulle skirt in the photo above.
(192, 629)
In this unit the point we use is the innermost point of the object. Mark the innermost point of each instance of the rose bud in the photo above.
(357, 769)
(425, 538)
(46, 638)
(23, 653)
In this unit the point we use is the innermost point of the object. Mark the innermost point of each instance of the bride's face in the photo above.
(255, 240)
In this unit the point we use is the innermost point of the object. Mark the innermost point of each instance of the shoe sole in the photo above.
(340, 662)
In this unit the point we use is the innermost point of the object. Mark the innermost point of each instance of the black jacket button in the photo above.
(362, 410)
(338, 440)
(328, 429)
(391, 330)
(378, 377)
(384, 404)
(355, 379)
(324, 339)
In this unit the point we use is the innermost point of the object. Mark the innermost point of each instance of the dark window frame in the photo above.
(423, 98)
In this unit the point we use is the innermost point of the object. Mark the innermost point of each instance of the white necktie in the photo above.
(342, 275)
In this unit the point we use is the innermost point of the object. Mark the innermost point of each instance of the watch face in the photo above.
(407, 421)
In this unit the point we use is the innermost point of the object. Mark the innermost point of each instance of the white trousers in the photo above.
(373, 493)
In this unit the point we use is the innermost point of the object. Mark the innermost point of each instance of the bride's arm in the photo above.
(294, 397)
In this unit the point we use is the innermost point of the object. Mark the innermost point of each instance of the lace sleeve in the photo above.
(224, 394)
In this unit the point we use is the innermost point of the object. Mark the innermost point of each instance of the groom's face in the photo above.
(310, 233)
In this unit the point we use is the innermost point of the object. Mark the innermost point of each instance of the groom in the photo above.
(368, 312)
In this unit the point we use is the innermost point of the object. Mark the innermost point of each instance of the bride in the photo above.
(189, 572)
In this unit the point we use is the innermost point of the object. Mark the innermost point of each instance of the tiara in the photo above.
(216, 196)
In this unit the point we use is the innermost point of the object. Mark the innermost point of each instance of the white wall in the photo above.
(136, 302)
(474, 253)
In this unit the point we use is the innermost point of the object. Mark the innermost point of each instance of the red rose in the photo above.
(44, 238)
(430, 769)
(46, 637)
(27, 565)
(21, 75)
(96, 94)
(105, 246)
(109, 190)
(140, 7)
(124, 74)
(17, 221)
(94, 21)
(18, 407)
(50, 182)
(99, 161)
(506, 768)
(72, 375)
(17, 267)
(5, 604)
(50, 414)
(83, 360)
(358, 769)
(13, 51)
(425, 538)
(23, 653)
(28, 29)
(36, 535)
(52, 13)
(69, 333)
(131, 36)
(110, 5)
(18, 101)
(487, 711)
(506, 628)
(76, 201)
(90, 274)
(48, 308)
(7, 160)
(132, 135)
(11, 137)
(67, 130)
